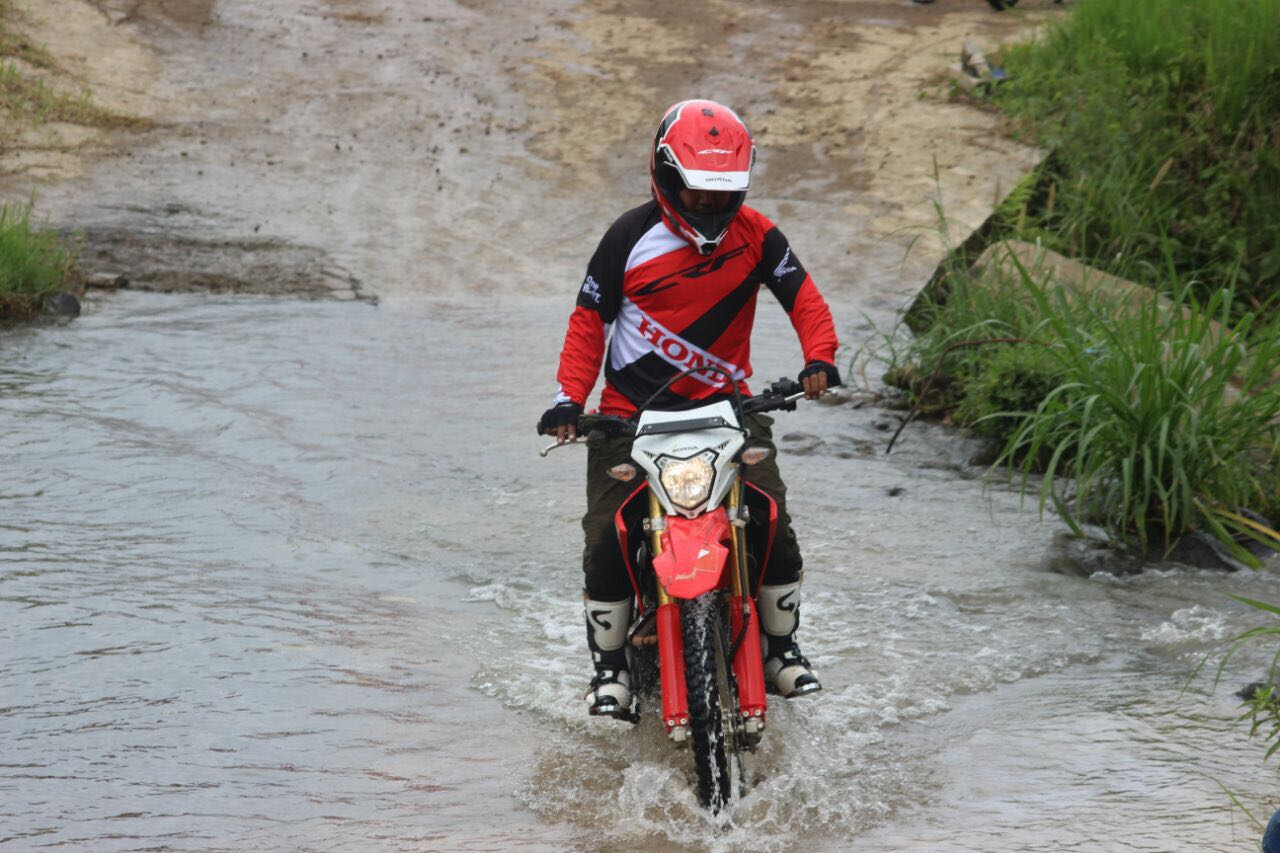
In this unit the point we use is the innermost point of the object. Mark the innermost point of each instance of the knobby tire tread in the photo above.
(699, 621)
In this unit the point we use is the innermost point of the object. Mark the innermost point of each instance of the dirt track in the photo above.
(361, 147)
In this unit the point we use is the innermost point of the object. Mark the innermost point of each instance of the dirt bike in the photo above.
(696, 537)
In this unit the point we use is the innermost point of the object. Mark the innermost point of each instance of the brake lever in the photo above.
(550, 447)
(825, 391)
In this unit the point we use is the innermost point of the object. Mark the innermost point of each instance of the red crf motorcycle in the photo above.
(696, 537)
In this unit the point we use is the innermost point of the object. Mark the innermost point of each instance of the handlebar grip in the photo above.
(586, 423)
(786, 387)
(610, 424)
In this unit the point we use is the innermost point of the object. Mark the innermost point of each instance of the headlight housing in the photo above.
(687, 482)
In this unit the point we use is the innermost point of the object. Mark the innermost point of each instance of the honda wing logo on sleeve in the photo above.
(782, 269)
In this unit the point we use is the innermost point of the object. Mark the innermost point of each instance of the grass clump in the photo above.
(1164, 119)
(1151, 419)
(1151, 416)
(978, 365)
(1165, 421)
(1010, 379)
(33, 264)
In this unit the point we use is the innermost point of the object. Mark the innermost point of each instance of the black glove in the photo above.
(561, 414)
(833, 374)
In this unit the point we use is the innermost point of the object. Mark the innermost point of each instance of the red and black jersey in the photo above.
(662, 308)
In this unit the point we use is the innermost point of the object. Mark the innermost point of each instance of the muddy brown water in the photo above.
(286, 574)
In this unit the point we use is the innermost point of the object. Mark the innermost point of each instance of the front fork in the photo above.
(748, 667)
(675, 693)
(748, 661)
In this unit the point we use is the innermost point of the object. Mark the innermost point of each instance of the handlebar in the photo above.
(777, 396)
(588, 424)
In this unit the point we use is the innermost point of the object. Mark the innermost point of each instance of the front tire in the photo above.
(699, 621)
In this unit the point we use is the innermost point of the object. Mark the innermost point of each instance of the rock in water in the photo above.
(1252, 689)
(106, 280)
(62, 305)
(1271, 837)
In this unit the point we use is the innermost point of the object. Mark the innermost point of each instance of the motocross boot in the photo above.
(610, 691)
(785, 670)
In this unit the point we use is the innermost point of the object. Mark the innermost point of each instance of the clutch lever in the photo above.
(550, 447)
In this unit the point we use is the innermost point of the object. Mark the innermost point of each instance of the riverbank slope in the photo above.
(340, 148)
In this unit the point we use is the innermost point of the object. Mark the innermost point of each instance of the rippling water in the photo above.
(290, 575)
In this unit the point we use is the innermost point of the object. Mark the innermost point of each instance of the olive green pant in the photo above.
(602, 560)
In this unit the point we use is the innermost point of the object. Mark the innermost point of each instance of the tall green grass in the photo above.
(1164, 420)
(1164, 116)
(33, 263)
(1151, 420)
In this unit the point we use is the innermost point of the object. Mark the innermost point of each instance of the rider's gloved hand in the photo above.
(817, 377)
(561, 420)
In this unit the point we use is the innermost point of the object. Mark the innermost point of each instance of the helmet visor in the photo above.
(710, 218)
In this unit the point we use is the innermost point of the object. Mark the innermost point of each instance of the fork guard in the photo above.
(675, 694)
(748, 663)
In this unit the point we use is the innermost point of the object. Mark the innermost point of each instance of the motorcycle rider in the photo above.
(672, 285)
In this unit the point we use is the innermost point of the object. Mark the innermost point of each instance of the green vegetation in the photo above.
(977, 365)
(1163, 419)
(1262, 710)
(33, 264)
(1152, 419)
(1164, 119)
(1261, 699)
(1152, 416)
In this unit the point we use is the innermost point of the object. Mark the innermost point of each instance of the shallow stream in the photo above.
(290, 575)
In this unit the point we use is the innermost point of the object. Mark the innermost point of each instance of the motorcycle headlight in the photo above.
(687, 481)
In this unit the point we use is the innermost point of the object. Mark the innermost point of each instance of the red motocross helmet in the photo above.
(700, 145)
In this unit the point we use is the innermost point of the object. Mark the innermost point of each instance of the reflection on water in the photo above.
(290, 575)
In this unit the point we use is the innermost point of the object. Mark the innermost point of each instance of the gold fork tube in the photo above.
(655, 539)
(737, 545)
